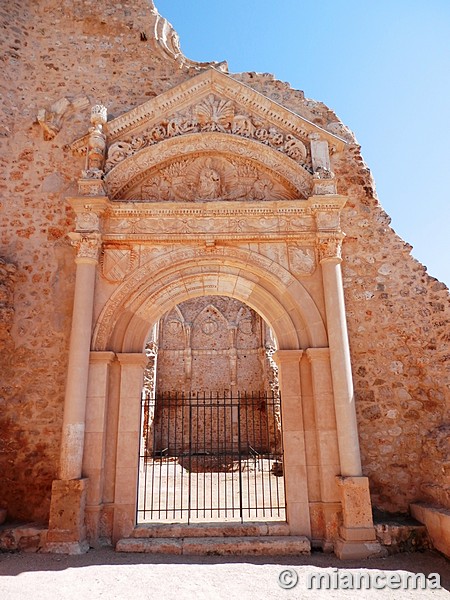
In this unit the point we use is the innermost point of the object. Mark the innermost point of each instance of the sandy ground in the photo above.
(107, 575)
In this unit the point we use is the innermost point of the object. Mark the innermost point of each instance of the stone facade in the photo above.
(122, 56)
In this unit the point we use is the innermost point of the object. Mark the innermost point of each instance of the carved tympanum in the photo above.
(210, 178)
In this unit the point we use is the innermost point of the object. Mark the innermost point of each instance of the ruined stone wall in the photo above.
(57, 59)
(399, 328)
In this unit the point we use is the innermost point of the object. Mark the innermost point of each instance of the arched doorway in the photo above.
(189, 201)
(211, 439)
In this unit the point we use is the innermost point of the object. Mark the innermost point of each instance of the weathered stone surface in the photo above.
(219, 546)
(397, 315)
(437, 522)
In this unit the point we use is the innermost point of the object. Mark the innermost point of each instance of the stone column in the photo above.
(67, 531)
(128, 443)
(357, 535)
(294, 455)
(72, 440)
(330, 259)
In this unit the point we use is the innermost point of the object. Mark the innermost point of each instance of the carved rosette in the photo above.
(87, 246)
(330, 247)
(87, 221)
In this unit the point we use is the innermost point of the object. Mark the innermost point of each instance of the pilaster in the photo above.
(294, 453)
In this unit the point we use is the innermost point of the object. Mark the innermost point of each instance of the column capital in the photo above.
(284, 356)
(102, 357)
(316, 354)
(132, 358)
(330, 246)
(87, 245)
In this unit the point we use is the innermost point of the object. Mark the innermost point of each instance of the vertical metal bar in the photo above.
(225, 452)
(173, 454)
(218, 452)
(153, 458)
(181, 455)
(240, 458)
(262, 447)
(266, 404)
(190, 457)
(249, 474)
(204, 450)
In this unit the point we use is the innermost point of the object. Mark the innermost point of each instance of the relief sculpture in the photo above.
(213, 115)
(209, 178)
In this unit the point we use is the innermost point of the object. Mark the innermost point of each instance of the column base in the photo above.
(350, 549)
(66, 528)
(66, 548)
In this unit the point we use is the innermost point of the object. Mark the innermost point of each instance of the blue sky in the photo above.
(383, 66)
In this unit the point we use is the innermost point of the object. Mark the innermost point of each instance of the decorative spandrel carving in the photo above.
(116, 263)
(302, 261)
(211, 178)
(213, 114)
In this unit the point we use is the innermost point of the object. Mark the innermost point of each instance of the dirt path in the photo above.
(107, 575)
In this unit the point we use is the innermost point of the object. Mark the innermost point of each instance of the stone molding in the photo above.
(266, 161)
(318, 354)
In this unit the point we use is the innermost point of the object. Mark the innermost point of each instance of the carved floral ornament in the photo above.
(330, 247)
(213, 114)
(87, 246)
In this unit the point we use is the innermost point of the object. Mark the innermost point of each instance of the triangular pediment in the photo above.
(200, 87)
(223, 118)
(205, 86)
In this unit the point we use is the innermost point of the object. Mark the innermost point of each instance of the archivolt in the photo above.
(133, 169)
(159, 285)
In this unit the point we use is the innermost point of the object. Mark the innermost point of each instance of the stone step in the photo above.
(219, 546)
(182, 530)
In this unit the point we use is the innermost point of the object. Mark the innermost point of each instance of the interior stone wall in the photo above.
(57, 59)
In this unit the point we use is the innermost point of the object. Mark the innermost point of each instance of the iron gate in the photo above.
(211, 458)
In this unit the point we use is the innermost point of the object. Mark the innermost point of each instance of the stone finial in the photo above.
(91, 183)
(99, 115)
